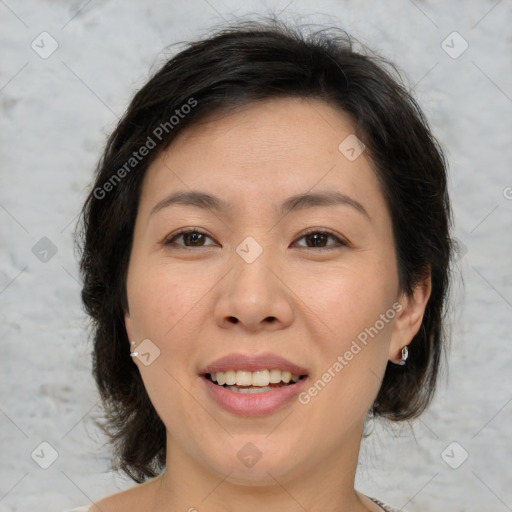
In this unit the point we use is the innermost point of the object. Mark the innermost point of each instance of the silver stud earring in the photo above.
(133, 354)
(405, 355)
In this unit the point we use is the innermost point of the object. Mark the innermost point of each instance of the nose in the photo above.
(254, 296)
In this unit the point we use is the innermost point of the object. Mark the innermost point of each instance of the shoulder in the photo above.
(135, 498)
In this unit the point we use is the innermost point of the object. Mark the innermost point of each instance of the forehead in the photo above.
(270, 130)
(263, 151)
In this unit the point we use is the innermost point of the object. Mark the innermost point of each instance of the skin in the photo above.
(185, 300)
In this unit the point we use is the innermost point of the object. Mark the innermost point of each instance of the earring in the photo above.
(133, 354)
(405, 355)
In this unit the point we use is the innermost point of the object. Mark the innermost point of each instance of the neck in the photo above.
(324, 483)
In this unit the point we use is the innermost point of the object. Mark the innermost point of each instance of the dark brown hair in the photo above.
(238, 64)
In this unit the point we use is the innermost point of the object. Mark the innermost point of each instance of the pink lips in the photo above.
(253, 363)
(255, 404)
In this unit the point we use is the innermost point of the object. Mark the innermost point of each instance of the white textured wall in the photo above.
(55, 114)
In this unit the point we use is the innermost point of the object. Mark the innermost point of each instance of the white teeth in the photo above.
(243, 378)
(221, 378)
(275, 376)
(260, 378)
(230, 378)
(286, 377)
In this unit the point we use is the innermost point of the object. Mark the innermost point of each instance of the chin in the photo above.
(253, 467)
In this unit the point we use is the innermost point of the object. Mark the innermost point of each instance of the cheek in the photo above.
(345, 302)
(165, 309)
(352, 339)
(162, 309)
(161, 299)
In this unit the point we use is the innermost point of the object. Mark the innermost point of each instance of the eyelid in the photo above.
(342, 241)
(168, 239)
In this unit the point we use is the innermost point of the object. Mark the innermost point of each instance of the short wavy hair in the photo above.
(237, 64)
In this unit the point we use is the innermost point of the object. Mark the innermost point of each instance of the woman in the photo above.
(266, 256)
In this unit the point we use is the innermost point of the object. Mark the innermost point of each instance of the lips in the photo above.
(254, 404)
(253, 363)
(259, 402)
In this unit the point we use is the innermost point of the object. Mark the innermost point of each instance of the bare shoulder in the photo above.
(135, 498)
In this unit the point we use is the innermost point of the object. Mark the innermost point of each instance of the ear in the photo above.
(409, 318)
(128, 325)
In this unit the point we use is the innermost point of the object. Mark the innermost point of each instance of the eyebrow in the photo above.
(297, 202)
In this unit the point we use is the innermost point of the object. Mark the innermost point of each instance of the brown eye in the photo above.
(318, 240)
(314, 239)
(191, 238)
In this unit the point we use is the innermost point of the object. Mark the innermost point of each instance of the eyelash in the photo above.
(341, 242)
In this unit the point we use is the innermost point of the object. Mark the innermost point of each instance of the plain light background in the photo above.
(56, 111)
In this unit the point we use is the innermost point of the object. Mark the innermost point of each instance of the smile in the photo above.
(246, 381)
(253, 400)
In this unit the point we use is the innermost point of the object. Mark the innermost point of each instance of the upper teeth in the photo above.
(258, 378)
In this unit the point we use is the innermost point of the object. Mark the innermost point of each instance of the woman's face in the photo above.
(263, 278)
